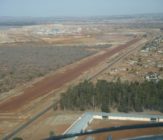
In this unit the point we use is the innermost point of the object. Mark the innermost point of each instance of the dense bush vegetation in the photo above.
(124, 96)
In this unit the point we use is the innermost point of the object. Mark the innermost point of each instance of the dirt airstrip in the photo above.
(53, 82)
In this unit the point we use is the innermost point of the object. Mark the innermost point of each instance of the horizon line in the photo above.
(84, 16)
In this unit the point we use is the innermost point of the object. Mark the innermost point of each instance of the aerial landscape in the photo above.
(86, 75)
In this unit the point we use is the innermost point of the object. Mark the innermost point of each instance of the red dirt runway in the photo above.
(53, 82)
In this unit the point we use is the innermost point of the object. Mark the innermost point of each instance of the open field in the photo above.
(68, 34)
(117, 135)
(56, 122)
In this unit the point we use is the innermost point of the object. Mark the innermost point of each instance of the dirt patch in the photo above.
(51, 122)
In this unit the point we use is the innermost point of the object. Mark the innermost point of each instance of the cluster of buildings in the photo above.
(153, 45)
(152, 76)
(57, 29)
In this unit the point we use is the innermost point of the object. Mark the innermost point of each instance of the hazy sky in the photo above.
(46, 8)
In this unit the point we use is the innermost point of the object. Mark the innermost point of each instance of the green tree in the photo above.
(51, 133)
(17, 138)
(104, 107)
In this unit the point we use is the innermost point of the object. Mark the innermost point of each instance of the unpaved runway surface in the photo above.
(53, 82)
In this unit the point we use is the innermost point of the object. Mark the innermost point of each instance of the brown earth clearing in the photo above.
(56, 122)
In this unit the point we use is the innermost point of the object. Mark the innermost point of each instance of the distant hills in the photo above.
(25, 21)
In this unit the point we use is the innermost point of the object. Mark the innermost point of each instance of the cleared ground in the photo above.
(56, 122)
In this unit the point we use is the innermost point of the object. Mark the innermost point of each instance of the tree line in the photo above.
(123, 96)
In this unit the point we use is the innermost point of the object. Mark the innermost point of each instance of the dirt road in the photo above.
(53, 82)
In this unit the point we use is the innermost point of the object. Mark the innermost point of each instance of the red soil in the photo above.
(53, 82)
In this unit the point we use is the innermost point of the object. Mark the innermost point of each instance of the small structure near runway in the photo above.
(131, 117)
